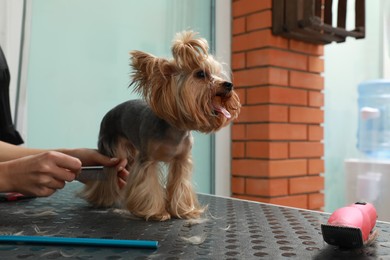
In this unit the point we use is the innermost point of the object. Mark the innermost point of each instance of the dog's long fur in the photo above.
(183, 94)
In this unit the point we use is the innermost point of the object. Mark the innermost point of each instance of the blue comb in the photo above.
(79, 241)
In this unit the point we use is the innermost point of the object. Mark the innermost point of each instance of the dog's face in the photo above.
(189, 91)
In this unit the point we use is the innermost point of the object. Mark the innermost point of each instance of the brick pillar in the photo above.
(277, 143)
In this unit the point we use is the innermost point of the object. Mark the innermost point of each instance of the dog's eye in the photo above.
(201, 74)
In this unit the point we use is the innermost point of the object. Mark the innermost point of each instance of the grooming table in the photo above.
(235, 229)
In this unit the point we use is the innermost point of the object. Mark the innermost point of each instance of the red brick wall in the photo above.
(277, 143)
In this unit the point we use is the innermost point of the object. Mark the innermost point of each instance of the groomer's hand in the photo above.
(91, 157)
(38, 175)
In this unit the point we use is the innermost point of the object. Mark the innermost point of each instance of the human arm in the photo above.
(87, 156)
(10, 152)
(39, 172)
(92, 157)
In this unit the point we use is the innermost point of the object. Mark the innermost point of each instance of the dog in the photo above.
(180, 95)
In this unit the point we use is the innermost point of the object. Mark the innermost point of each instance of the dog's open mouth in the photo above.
(219, 108)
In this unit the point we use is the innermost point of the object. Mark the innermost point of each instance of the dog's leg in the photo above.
(106, 193)
(182, 199)
(144, 194)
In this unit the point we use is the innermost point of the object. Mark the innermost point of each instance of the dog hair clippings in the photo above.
(179, 95)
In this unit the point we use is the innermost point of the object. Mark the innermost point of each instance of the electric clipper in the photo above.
(351, 226)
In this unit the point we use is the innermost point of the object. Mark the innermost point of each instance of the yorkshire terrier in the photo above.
(180, 95)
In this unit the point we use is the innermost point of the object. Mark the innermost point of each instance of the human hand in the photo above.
(123, 173)
(39, 175)
(91, 157)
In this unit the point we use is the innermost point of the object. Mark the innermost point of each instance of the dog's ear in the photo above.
(189, 52)
(146, 65)
(149, 71)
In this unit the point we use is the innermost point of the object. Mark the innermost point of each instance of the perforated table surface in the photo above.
(235, 229)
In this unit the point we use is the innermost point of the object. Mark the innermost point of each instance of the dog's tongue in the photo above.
(222, 110)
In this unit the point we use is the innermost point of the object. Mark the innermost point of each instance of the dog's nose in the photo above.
(228, 86)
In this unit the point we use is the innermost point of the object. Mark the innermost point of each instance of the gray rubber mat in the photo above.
(234, 229)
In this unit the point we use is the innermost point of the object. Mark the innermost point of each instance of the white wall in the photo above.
(78, 68)
(346, 65)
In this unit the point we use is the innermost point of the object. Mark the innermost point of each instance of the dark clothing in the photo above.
(8, 132)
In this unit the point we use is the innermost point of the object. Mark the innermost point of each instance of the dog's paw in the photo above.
(162, 217)
(190, 214)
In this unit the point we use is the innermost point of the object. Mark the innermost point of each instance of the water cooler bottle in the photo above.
(368, 178)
